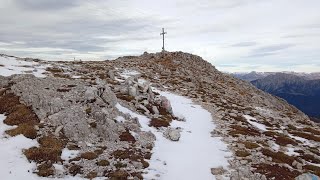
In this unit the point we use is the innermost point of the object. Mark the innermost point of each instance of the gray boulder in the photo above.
(172, 134)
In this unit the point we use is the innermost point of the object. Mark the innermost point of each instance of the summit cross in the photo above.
(162, 34)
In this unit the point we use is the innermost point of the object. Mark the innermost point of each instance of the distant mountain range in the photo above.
(253, 75)
(299, 89)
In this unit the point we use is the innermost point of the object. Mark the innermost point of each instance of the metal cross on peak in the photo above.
(162, 34)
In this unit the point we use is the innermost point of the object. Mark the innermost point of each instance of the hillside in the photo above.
(298, 91)
(162, 115)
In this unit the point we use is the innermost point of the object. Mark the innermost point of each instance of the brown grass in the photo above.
(312, 131)
(276, 172)
(18, 114)
(73, 147)
(75, 169)
(50, 149)
(91, 175)
(242, 153)
(118, 175)
(283, 141)
(306, 135)
(311, 158)
(54, 70)
(89, 155)
(272, 134)
(21, 114)
(157, 122)
(59, 75)
(314, 150)
(125, 97)
(313, 169)
(103, 162)
(88, 110)
(243, 130)
(278, 157)
(126, 136)
(119, 165)
(26, 129)
(46, 169)
(43, 154)
(250, 145)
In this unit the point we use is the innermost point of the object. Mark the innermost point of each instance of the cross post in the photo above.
(162, 34)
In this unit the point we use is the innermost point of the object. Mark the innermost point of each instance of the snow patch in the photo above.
(13, 164)
(128, 73)
(290, 152)
(69, 154)
(255, 124)
(120, 119)
(10, 66)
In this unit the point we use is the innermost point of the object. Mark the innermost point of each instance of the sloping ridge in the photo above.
(268, 137)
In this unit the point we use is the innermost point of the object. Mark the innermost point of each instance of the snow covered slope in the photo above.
(10, 66)
(196, 152)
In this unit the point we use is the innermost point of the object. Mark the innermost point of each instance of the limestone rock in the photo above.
(172, 134)
(218, 170)
(165, 103)
(307, 176)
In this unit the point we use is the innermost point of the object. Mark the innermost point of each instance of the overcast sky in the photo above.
(234, 35)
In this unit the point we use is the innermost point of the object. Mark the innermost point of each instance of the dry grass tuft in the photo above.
(278, 157)
(157, 122)
(40, 154)
(250, 145)
(50, 149)
(126, 136)
(276, 172)
(45, 170)
(313, 169)
(75, 169)
(243, 130)
(89, 155)
(312, 131)
(242, 153)
(118, 175)
(54, 70)
(26, 129)
(125, 97)
(306, 135)
(283, 141)
(103, 162)
(311, 158)
(91, 175)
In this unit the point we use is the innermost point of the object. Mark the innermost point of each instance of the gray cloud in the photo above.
(272, 48)
(43, 5)
(244, 44)
(262, 54)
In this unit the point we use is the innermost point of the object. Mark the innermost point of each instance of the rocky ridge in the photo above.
(78, 102)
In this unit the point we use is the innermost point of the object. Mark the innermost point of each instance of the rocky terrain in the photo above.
(76, 111)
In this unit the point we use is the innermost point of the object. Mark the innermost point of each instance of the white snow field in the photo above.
(10, 66)
(13, 163)
(193, 156)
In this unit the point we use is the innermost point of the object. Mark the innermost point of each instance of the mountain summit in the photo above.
(161, 115)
